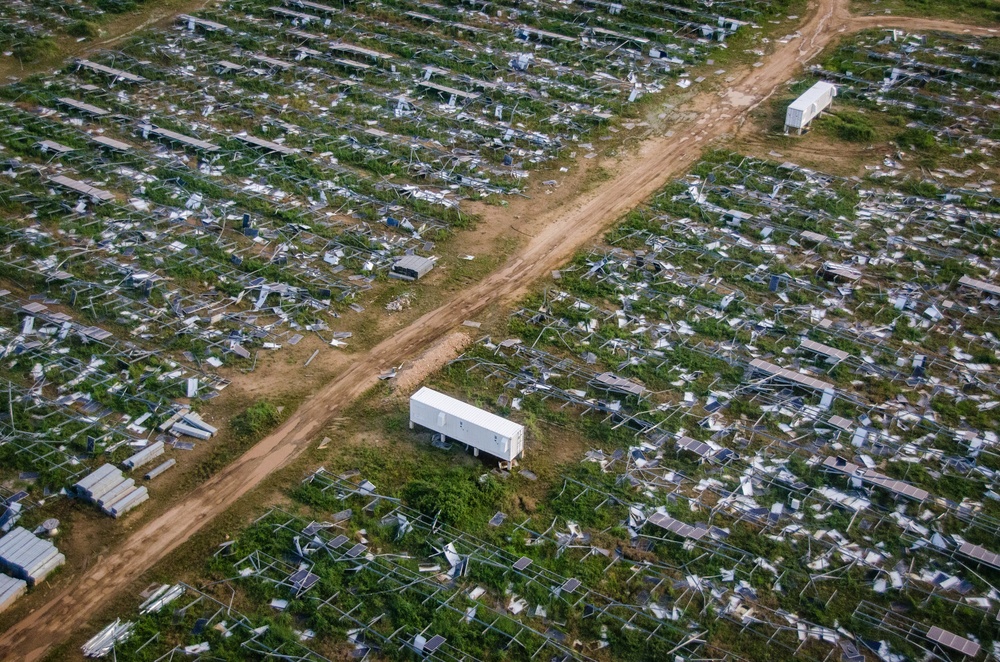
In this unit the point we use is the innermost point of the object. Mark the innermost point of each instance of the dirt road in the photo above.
(560, 234)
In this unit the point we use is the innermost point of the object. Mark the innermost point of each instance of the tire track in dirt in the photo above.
(562, 233)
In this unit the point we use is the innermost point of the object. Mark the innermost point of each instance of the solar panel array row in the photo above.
(677, 527)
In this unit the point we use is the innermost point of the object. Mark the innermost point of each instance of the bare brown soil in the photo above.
(554, 237)
(442, 351)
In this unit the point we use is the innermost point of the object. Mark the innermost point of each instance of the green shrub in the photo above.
(257, 420)
(34, 48)
(917, 139)
(906, 331)
(455, 496)
(851, 127)
(82, 29)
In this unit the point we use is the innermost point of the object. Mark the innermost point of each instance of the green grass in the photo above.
(973, 11)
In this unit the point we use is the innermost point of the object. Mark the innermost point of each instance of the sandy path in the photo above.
(562, 232)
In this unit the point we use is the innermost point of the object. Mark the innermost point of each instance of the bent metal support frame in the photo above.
(482, 552)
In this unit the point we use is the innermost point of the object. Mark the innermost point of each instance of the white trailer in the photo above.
(807, 107)
(475, 427)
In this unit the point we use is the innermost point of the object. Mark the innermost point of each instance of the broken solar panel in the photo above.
(111, 143)
(271, 62)
(825, 350)
(110, 71)
(676, 526)
(790, 375)
(180, 138)
(85, 189)
(53, 146)
(281, 11)
(980, 554)
(303, 580)
(82, 106)
(841, 465)
(953, 641)
(981, 285)
(211, 26)
(356, 551)
(358, 50)
(314, 527)
(265, 144)
(613, 382)
(571, 585)
(841, 422)
(434, 643)
(342, 516)
(699, 448)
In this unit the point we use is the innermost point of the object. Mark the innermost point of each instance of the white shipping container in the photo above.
(807, 107)
(470, 425)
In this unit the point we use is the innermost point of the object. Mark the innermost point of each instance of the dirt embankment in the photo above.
(558, 235)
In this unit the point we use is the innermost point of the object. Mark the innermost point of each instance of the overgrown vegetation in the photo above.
(255, 421)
